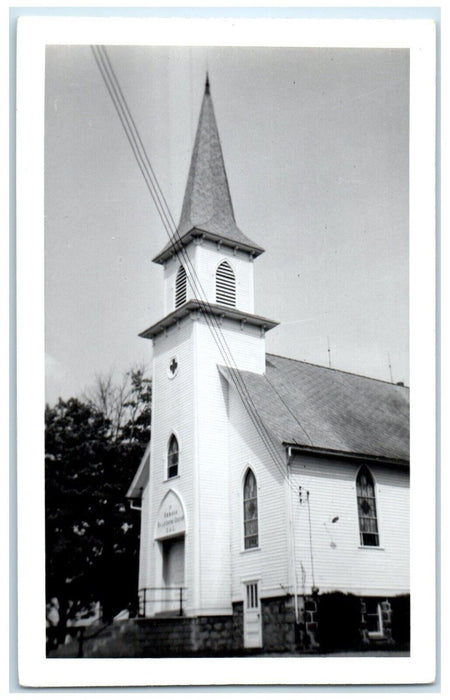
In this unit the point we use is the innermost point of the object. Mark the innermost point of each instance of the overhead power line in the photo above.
(143, 161)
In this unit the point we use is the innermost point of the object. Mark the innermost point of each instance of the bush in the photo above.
(339, 621)
(401, 626)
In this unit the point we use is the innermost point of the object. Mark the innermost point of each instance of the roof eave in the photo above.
(308, 449)
(214, 309)
(140, 478)
(186, 238)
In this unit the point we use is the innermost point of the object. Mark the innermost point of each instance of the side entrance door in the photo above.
(252, 616)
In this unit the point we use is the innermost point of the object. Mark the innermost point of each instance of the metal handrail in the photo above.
(144, 599)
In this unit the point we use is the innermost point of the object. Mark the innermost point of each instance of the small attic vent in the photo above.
(180, 287)
(225, 285)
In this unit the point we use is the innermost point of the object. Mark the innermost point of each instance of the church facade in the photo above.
(274, 493)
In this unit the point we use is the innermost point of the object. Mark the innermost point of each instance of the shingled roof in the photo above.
(326, 409)
(207, 207)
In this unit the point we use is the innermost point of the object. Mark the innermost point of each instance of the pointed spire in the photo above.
(207, 205)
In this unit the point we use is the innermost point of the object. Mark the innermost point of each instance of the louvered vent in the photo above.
(225, 285)
(180, 287)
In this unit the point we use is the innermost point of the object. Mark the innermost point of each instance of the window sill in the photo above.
(371, 546)
(252, 549)
(171, 478)
(376, 635)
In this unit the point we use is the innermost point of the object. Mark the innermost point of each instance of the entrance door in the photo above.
(173, 572)
(252, 617)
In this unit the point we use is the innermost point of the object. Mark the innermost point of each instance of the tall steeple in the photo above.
(207, 207)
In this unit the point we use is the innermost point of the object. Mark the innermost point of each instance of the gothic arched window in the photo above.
(367, 508)
(180, 287)
(225, 285)
(250, 511)
(172, 457)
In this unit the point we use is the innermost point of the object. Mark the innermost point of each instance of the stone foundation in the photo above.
(223, 635)
(278, 624)
(214, 634)
(308, 624)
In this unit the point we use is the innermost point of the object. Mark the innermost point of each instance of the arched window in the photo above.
(225, 285)
(180, 287)
(172, 457)
(367, 508)
(250, 511)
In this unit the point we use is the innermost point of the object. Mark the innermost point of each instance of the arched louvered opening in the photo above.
(225, 285)
(250, 511)
(367, 508)
(172, 458)
(180, 287)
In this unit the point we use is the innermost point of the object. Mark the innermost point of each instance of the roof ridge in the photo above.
(335, 369)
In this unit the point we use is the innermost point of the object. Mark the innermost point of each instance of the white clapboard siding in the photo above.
(339, 560)
(173, 402)
(211, 392)
(269, 562)
(193, 405)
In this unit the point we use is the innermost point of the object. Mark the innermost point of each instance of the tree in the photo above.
(126, 404)
(92, 536)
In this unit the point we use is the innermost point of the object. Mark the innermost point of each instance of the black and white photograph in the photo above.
(227, 304)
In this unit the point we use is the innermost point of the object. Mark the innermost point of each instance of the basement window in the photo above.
(374, 618)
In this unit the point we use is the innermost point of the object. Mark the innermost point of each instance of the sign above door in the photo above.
(170, 520)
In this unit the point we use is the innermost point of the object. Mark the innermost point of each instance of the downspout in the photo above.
(133, 507)
(292, 535)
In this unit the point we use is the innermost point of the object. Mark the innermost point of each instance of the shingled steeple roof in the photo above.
(207, 209)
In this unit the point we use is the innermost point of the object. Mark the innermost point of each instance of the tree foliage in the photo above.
(93, 447)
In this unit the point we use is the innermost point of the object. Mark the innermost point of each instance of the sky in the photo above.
(316, 149)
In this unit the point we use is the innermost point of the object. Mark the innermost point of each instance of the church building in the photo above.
(274, 493)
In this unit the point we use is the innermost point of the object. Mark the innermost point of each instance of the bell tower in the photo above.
(208, 322)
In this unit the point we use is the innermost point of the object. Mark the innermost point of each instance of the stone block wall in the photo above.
(278, 620)
(223, 635)
(238, 625)
(308, 624)
(213, 633)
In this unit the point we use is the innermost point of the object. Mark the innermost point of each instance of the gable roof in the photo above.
(207, 209)
(326, 409)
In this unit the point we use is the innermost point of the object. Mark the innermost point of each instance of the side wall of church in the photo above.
(213, 471)
(339, 560)
(269, 562)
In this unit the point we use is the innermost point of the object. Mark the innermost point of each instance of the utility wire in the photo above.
(137, 147)
(160, 202)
